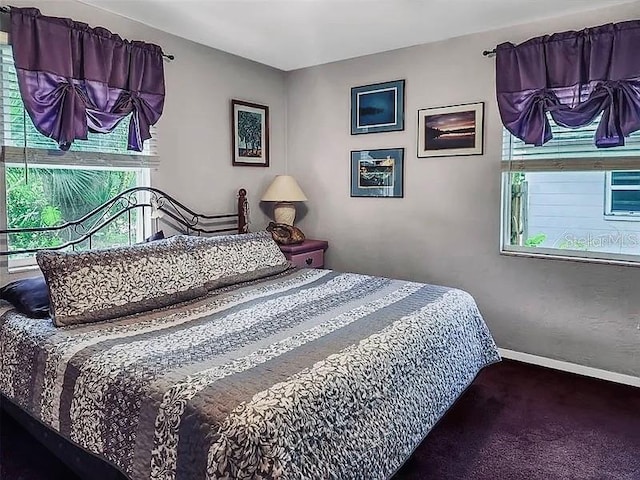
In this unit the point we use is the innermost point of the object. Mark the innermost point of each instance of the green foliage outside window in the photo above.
(536, 240)
(52, 196)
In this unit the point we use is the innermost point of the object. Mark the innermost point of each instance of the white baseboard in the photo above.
(570, 367)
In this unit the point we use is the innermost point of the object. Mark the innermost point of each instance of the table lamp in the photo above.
(284, 190)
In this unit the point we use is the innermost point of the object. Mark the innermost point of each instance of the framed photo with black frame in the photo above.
(451, 131)
(250, 134)
(377, 108)
(377, 173)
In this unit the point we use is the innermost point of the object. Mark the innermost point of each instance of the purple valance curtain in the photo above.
(574, 76)
(74, 79)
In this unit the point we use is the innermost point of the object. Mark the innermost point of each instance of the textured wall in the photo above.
(446, 228)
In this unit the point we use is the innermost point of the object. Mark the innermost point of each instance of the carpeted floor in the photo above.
(522, 422)
(23, 458)
(516, 422)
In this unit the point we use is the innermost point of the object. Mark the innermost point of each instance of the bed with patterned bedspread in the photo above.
(301, 374)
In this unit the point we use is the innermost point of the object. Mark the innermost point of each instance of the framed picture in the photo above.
(451, 131)
(250, 127)
(377, 108)
(377, 173)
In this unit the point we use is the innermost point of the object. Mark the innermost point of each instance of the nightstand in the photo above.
(308, 254)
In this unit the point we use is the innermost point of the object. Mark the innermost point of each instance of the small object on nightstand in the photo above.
(308, 254)
(285, 234)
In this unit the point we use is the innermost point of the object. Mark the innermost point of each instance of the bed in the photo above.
(269, 372)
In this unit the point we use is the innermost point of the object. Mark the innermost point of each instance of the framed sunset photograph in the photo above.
(451, 131)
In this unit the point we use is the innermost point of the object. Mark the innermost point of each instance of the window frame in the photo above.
(552, 161)
(38, 153)
(609, 213)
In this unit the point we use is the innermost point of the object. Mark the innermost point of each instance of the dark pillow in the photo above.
(159, 235)
(29, 296)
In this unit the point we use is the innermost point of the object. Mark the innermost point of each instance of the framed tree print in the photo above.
(451, 131)
(377, 108)
(250, 130)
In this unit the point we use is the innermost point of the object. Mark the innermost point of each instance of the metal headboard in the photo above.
(160, 206)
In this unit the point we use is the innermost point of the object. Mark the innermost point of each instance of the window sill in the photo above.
(23, 268)
(611, 217)
(571, 258)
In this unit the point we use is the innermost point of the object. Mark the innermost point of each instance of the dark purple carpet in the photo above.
(516, 422)
(522, 422)
(23, 458)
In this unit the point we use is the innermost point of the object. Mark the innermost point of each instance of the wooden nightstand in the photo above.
(308, 254)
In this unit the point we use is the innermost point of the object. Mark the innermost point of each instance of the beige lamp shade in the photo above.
(284, 189)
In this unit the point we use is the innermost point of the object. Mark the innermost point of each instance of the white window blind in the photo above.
(571, 150)
(22, 142)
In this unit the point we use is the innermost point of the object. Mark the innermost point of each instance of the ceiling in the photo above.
(292, 34)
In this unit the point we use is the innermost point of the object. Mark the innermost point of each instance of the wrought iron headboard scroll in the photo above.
(148, 201)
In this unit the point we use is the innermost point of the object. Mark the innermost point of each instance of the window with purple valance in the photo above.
(74, 79)
(575, 77)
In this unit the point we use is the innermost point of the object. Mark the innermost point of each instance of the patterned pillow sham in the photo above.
(100, 285)
(229, 259)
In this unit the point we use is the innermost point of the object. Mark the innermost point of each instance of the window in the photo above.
(45, 187)
(623, 194)
(51, 195)
(570, 199)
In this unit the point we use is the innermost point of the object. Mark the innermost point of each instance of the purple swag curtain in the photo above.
(575, 76)
(74, 78)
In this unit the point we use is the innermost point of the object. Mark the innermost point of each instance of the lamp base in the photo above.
(284, 212)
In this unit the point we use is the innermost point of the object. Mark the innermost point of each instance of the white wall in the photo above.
(446, 228)
(194, 131)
